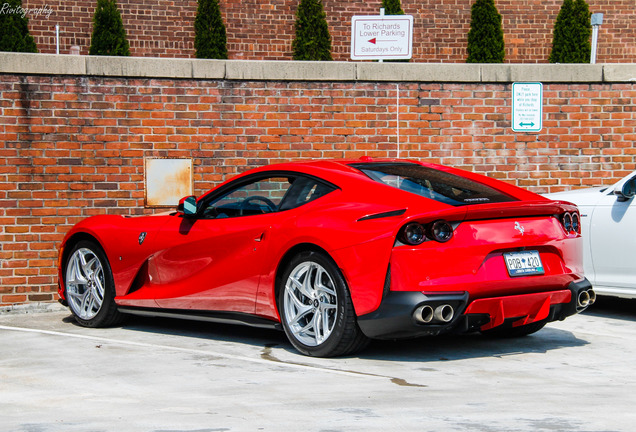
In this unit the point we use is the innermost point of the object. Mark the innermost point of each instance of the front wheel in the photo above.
(316, 309)
(89, 286)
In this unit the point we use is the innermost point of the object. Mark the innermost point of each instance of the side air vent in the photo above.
(383, 215)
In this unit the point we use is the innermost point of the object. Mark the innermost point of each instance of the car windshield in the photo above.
(431, 183)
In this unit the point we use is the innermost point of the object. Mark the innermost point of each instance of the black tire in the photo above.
(327, 301)
(507, 331)
(89, 287)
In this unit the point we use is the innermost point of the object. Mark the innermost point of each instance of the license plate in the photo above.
(524, 263)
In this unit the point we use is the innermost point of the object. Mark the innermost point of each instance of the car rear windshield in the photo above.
(434, 184)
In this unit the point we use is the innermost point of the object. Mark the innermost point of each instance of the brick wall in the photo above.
(74, 146)
(259, 30)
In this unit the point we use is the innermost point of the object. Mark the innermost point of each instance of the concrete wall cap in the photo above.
(290, 70)
(619, 72)
(38, 64)
(263, 70)
(565, 73)
(418, 72)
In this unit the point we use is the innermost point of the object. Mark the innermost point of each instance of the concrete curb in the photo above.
(29, 308)
(143, 67)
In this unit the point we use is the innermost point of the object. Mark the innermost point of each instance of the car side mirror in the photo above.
(188, 206)
(626, 191)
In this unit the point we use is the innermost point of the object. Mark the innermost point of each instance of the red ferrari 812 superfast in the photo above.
(335, 253)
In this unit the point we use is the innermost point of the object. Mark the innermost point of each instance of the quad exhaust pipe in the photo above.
(586, 298)
(425, 314)
(444, 313)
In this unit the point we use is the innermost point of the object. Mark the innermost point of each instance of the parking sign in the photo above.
(527, 107)
(381, 37)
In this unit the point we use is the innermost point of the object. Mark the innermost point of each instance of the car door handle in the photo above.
(259, 238)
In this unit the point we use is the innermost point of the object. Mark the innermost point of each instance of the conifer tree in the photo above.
(312, 41)
(392, 7)
(14, 29)
(109, 35)
(210, 38)
(485, 37)
(572, 31)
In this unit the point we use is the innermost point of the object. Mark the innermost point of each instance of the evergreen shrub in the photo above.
(393, 7)
(210, 38)
(14, 28)
(485, 37)
(572, 31)
(312, 40)
(109, 35)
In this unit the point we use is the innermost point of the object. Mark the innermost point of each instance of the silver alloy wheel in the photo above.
(85, 283)
(311, 303)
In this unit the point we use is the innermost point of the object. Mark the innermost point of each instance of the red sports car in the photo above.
(336, 253)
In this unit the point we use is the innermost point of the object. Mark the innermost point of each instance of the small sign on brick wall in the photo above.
(527, 106)
(167, 181)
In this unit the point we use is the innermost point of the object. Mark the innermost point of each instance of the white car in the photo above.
(608, 226)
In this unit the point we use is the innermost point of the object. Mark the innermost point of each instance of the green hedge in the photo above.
(109, 35)
(14, 28)
(210, 40)
(572, 31)
(312, 40)
(485, 37)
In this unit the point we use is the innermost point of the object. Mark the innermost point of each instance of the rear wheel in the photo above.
(507, 331)
(89, 286)
(316, 309)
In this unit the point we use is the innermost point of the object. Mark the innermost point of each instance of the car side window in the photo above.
(304, 190)
(257, 197)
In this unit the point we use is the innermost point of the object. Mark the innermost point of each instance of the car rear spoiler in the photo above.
(513, 209)
(518, 209)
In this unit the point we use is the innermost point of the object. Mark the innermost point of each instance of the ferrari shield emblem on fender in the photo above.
(142, 237)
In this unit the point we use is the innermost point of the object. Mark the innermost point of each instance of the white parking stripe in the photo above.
(196, 351)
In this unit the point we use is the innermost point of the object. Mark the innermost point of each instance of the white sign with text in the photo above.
(527, 107)
(382, 37)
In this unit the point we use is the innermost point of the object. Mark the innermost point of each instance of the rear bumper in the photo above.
(395, 319)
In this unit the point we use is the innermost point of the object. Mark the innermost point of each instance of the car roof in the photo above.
(327, 169)
(332, 169)
(347, 173)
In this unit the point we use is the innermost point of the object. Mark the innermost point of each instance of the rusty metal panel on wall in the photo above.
(167, 181)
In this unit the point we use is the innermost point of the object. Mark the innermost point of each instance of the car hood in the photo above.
(580, 197)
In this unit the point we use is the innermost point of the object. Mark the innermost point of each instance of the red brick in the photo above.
(12, 299)
(47, 184)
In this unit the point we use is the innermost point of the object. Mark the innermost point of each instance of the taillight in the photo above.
(567, 222)
(440, 231)
(576, 222)
(415, 233)
(571, 222)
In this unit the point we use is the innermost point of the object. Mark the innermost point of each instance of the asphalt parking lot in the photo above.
(168, 375)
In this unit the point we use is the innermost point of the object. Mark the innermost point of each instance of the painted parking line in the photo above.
(266, 358)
